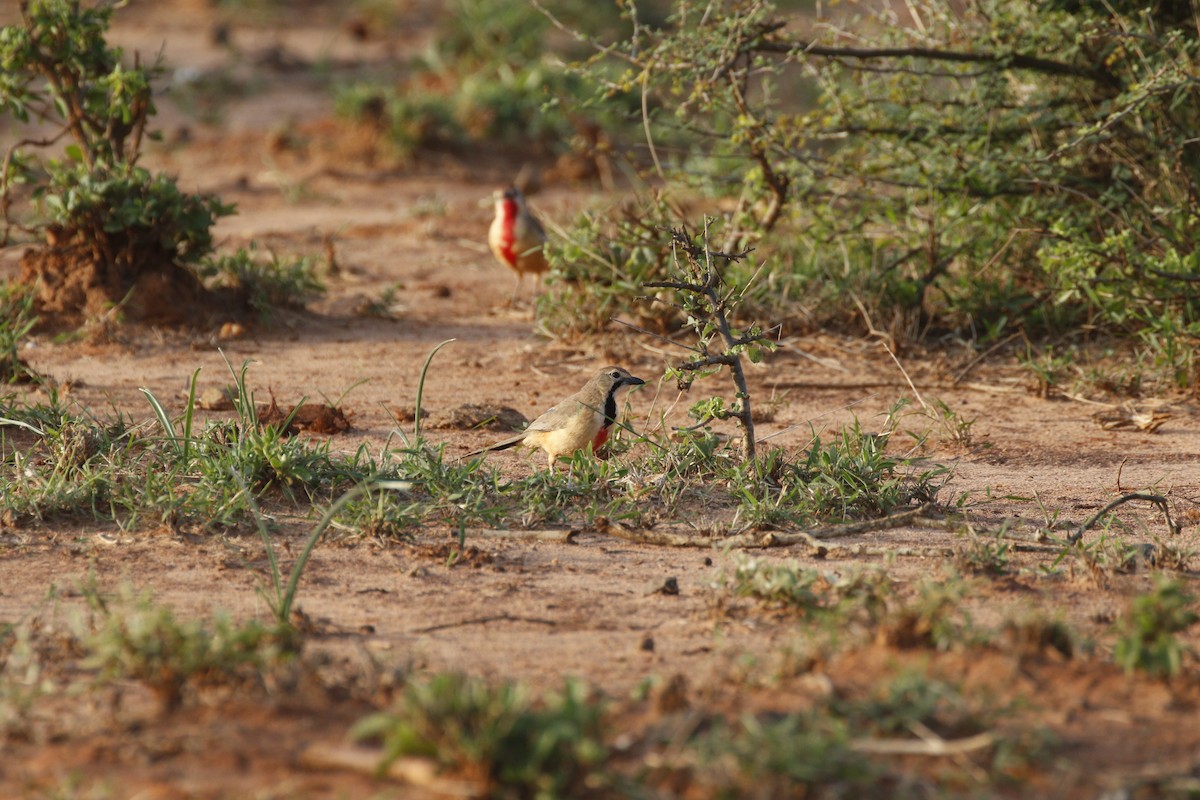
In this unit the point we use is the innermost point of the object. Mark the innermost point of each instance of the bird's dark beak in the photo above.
(632, 381)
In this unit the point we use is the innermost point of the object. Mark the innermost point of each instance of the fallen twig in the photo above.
(929, 746)
(762, 539)
(485, 621)
(563, 535)
(1158, 500)
(417, 771)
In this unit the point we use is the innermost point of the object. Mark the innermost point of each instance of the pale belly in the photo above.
(565, 441)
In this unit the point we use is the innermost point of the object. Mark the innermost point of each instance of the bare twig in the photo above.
(925, 746)
(762, 539)
(1158, 500)
(642, 330)
(485, 621)
(999, 60)
(564, 535)
(705, 281)
(904, 372)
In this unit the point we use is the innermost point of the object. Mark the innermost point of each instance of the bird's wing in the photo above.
(556, 416)
(535, 227)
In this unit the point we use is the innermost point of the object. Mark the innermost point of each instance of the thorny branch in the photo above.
(1000, 61)
(706, 284)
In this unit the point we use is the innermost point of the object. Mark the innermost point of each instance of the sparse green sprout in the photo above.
(983, 555)
(862, 594)
(267, 283)
(913, 699)
(1148, 637)
(17, 319)
(136, 638)
(935, 618)
(25, 677)
(773, 756)
(517, 743)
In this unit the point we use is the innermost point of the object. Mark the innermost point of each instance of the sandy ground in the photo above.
(536, 611)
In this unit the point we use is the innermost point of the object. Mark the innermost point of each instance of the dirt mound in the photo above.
(73, 284)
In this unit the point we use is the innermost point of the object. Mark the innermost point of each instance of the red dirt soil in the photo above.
(531, 610)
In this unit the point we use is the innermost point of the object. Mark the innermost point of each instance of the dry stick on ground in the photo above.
(928, 745)
(816, 538)
(765, 538)
(485, 621)
(1158, 500)
(564, 535)
(700, 262)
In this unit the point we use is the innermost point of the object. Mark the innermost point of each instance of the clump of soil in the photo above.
(73, 284)
(472, 416)
(319, 418)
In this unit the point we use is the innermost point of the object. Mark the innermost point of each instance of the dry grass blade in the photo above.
(928, 746)
(1130, 417)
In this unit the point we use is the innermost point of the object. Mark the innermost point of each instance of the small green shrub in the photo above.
(492, 76)
(129, 217)
(100, 214)
(935, 618)
(852, 477)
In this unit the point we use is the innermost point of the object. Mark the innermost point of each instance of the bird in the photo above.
(577, 423)
(516, 237)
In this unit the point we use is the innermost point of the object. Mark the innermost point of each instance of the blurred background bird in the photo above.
(516, 237)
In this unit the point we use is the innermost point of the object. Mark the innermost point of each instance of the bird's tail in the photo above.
(503, 445)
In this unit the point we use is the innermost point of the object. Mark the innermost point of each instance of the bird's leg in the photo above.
(512, 300)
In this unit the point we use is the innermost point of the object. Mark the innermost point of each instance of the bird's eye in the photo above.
(616, 374)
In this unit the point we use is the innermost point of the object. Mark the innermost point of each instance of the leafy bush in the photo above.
(491, 77)
(999, 165)
(102, 216)
(129, 218)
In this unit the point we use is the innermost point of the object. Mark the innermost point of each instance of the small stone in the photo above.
(670, 586)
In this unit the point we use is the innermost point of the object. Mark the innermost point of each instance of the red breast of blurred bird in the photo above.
(516, 237)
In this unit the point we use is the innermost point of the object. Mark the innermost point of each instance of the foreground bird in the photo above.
(516, 237)
(579, 422)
